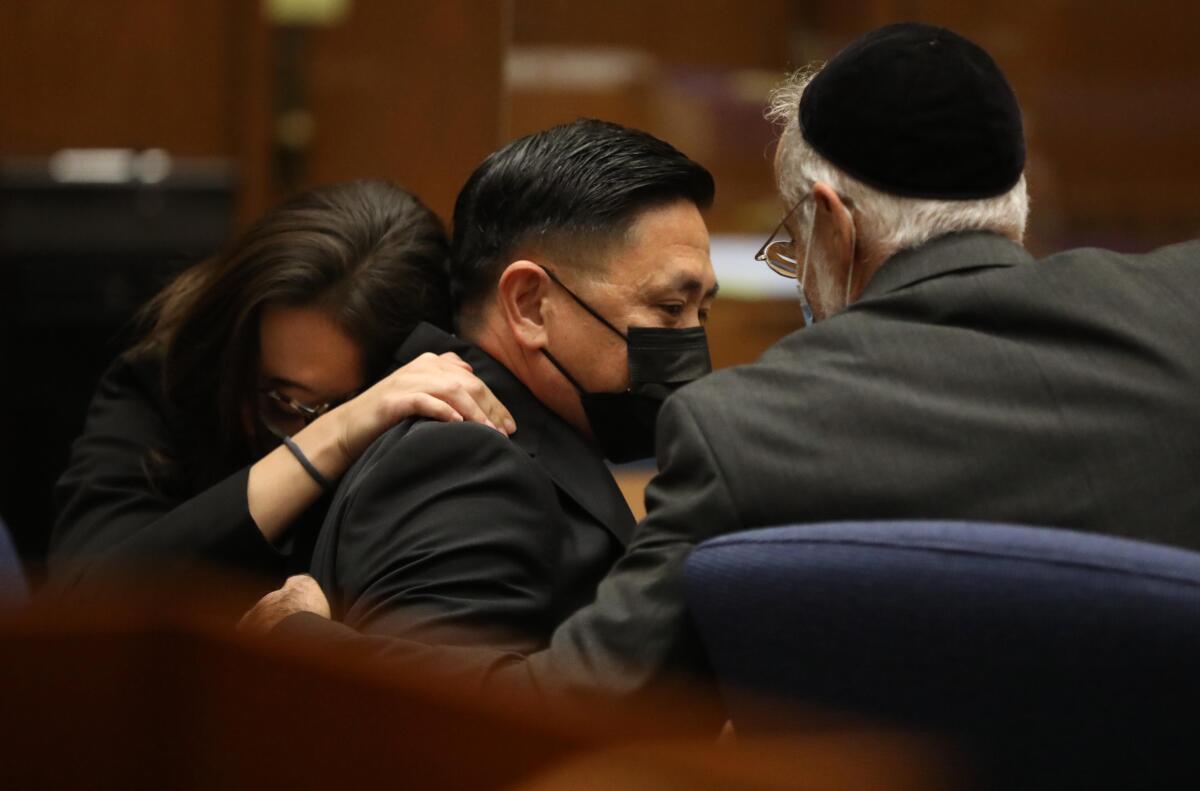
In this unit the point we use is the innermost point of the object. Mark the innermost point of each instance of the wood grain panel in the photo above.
(122, 73)
(721, 33)
(408, 90)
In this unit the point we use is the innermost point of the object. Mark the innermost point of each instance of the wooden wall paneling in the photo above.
(123, 73)
(408, 90)
(701, 80)
(251, 120)
(720, 33)
(192, 78)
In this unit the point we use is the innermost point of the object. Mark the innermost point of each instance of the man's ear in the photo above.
(835, 220)
(521, 296)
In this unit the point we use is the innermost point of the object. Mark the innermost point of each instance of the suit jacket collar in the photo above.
(948, 254)
(574, 465)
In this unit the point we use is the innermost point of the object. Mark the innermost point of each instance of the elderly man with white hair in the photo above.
(887, 211)
(944, 373)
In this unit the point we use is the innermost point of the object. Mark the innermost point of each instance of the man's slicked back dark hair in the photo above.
(577, 186)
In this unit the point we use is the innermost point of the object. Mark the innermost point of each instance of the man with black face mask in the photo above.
(661, 359)
(581, 276)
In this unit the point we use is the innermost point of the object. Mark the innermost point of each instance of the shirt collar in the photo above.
(955, 252)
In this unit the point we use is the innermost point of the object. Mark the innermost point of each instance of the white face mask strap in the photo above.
(853, 255)
(811, 211)
(805, 307)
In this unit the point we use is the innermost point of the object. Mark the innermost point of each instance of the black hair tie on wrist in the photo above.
(308, 466)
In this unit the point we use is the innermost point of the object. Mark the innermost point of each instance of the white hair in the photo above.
(886, 223)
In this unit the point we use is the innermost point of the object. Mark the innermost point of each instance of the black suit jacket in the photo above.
(454, 533)
(968, 382)
(111, 516)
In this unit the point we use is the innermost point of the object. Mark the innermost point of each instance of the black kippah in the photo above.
(917, 110)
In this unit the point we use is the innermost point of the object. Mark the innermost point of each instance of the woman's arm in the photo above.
(109, 512)
(440, 387)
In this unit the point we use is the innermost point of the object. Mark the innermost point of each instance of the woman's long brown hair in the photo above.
(368, 253)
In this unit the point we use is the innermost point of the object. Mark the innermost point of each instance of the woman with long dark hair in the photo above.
(215, 437)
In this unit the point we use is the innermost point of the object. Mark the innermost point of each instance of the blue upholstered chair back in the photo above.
(986, 630)
(12, 579)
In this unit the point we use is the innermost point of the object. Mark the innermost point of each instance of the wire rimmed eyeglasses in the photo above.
(780, 255)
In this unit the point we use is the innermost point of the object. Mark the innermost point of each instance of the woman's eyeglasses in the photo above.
(284, 416)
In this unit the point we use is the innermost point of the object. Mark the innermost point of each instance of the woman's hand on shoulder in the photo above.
(437, 386)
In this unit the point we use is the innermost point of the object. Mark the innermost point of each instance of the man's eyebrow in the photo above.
(690, 285)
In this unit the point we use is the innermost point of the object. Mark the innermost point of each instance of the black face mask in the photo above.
(660, 362)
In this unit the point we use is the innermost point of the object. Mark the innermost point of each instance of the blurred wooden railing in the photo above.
(152, 688)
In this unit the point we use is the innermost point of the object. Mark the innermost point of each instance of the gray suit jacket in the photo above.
(968, 382)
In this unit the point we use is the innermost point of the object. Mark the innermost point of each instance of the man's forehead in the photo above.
(665, 247)
(678, 268)
(655, 218)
